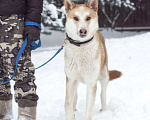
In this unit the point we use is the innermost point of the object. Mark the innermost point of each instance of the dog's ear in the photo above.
(93, 4)
(69, 5)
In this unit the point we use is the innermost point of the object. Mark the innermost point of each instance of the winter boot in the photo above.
(27, 113)
(6, 110)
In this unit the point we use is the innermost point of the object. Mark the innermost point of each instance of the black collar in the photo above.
(76, 42)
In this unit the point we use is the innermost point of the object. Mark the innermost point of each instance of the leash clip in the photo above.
(36, 45)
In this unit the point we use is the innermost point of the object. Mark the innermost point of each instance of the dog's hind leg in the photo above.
(91, 93)
(104, 79)
(75, 98)
(70, 90)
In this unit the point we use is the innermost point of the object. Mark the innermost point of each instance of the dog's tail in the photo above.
(113, 74)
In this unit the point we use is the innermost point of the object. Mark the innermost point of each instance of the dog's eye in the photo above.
(88, 18)
(76, 19)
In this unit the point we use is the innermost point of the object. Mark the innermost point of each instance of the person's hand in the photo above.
(32, 33)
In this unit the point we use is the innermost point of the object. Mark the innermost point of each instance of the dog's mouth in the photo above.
(82, 36)
(83, 33)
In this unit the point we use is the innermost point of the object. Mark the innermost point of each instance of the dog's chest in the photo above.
(81, 62)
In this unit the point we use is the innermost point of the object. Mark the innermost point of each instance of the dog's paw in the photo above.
(89, 118)
(72, 118)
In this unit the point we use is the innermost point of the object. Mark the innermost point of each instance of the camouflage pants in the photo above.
(11, 39)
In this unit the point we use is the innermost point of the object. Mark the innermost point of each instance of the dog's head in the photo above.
(82, 20)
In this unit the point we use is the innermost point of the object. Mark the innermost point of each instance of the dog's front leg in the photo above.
(104, 79)
(91, 93)
(75, 98)
(70, 90)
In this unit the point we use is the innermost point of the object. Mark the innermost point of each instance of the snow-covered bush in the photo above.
(50, 16)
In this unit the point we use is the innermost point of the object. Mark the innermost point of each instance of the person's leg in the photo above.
(5, 95)
(25, 88)
(5, 89)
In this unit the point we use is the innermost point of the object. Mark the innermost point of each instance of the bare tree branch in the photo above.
(114, 21)
(109, 20)
(131, 12)
(125, 20)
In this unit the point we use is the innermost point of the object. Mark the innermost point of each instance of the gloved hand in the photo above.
(32, 33)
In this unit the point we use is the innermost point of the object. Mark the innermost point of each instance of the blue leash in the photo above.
(34, 46)
(17, 60)
(50, 58)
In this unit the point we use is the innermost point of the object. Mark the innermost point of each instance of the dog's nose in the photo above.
(83, 32)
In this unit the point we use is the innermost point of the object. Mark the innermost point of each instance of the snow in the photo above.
(53, 10)
(128, 97)
(63, 11)
(126, 3)
(50, 15)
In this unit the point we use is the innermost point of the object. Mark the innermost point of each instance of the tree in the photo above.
(58, 3)
(112, 10)
(141, 17)
(79, 1)
(50, 16)
(136, 4)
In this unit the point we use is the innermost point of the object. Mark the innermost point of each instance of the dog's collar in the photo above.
(76, 42)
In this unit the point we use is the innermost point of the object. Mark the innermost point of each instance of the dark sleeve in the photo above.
(34, 9)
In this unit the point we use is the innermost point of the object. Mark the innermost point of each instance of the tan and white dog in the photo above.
(85, 57)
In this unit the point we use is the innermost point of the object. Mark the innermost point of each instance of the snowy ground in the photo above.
(128, 97)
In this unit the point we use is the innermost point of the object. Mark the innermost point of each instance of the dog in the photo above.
(86, 58)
